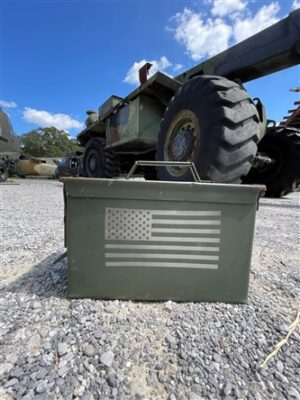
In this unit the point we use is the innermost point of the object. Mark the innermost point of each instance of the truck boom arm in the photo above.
(271, 50)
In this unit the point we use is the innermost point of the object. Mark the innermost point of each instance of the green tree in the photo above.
(47, 142)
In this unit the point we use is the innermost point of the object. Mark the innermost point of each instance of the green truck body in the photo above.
(141, 125)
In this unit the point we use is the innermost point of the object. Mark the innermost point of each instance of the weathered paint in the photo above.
(159, 87)
(217, 224)
(111, 102)
(9, 142)
(138, 122)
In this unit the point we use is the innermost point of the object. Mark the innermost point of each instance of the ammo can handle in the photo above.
(165, 164)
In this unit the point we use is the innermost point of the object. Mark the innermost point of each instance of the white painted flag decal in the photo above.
(162, 238)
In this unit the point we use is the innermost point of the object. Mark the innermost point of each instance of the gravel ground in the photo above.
(55, 348)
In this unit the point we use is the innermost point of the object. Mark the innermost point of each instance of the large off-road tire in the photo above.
(3, 173)
(283, 175)
(98, 162)
(213, 122)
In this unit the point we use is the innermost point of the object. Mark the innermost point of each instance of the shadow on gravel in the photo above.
(45, 279)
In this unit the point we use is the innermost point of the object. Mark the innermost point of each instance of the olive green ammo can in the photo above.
(154, 240)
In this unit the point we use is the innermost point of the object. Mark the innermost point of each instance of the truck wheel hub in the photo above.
(182, 139)
(182, 146)
(93, 162)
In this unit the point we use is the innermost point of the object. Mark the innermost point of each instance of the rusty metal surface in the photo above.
(144, 72)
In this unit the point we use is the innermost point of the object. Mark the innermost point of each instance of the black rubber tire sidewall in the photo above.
(94, 148)
(200, 109)
(200, 97)
(108, 161)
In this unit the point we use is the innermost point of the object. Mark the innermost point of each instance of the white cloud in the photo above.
(132, 75)
(8, 104)
(177, 67)
(295, 4)
(205, 37)
(226, 7)
(265, 16)
(201, 38)
(45, 119)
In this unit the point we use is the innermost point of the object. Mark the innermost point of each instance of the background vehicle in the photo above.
(281, 145)
(204, 115)
(11, 161)
(70, 165)
(9, 146)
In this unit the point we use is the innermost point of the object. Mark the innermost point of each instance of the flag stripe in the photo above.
(181, 230)
(161, 247)
(160, 265)
(179, 213)
(185, 222)
(162, 256)
(194, 239)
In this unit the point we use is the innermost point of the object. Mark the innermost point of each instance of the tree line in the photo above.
(47, 142)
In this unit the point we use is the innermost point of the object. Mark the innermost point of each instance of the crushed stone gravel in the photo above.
(56, 348)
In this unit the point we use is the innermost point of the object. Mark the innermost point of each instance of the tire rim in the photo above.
(93, 163)
(182, 139)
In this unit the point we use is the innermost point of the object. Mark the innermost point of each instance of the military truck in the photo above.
(11, 160)
(9, 146)
(203, 115)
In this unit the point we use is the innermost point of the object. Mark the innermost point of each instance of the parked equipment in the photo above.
(204, 115)
(281, 146)
(70, 165)
(11, 161)
(9, 146)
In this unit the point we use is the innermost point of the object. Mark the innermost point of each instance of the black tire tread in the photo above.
(110, 160)
(233, 127)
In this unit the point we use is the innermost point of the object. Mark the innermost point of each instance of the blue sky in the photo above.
(60, 58)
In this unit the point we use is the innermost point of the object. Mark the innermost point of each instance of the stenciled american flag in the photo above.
(162, 238)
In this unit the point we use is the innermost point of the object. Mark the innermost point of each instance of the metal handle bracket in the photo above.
(146, 163)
